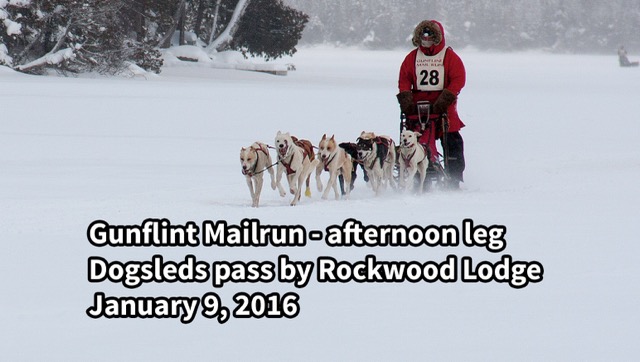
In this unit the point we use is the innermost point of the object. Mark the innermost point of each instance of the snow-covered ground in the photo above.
(552, 154)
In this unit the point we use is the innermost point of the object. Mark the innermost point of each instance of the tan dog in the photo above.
(308, 149)
(413, 159)
(295, 161)
(337, 162)
(256, 159)
(378, 156)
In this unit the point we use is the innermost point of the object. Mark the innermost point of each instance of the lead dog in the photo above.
(413, 159)
(297, 162)
(378, 157)
(255, 159)
(336, 162)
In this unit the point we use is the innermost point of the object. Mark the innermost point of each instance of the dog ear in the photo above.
(333, 137)
(324, 137)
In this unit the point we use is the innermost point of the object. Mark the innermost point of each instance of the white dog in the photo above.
(297, 162)
(336, 161)
(256, 159)
(378, 156)
(413, 159)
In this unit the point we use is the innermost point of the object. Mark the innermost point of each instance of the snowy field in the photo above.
(552, 155)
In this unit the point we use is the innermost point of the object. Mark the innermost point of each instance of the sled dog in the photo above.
(307, 147)
(413, 159)
(378, 156)
(296, 161)
(336, 162)
(352, 150)
(256, 159)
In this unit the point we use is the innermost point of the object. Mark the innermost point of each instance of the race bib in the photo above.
(430, 71)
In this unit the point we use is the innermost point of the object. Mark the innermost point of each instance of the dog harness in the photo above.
(287, 166)
(326, 164)
(407, 160)
(253, 171)
(380, 155)
(305, 154)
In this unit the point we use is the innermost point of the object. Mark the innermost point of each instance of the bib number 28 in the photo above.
(430, 78)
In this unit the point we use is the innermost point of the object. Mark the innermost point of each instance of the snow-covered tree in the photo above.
(108, 35)
(266, 28)
(269, 29)
(69, 36)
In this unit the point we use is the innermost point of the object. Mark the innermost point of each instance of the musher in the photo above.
(434, 72)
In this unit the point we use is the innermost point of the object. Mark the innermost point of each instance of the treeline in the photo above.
(555, 25)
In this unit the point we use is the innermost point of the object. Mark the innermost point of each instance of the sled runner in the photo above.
(430, 126)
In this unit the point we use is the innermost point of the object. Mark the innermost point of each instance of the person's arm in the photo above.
(456, 77)
(405, 84)
(456, 73)
(407, 73)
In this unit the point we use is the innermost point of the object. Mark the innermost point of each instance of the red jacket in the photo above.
(455, 77)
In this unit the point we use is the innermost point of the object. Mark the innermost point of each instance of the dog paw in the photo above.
(273, 185)
(307, 192)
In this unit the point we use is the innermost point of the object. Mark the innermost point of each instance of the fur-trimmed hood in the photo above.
(437, 29)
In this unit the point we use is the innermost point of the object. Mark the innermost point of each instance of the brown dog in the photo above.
(337, 162)
(308, 150)
(297, 162)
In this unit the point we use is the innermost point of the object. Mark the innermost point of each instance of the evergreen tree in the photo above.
(269, 29)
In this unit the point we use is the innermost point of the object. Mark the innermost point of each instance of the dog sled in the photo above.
(431, 125)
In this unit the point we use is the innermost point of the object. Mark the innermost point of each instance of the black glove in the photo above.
(445, 99)
(405, 99)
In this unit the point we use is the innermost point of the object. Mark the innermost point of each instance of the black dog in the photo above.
(377, 156)
(352, 150)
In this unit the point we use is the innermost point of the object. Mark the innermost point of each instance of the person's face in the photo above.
(426, 40)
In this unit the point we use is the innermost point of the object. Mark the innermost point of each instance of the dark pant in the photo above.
(454, 155)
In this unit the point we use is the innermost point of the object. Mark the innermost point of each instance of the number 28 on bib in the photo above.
(430, 71)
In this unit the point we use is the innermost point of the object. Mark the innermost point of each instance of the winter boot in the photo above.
(455, 163)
